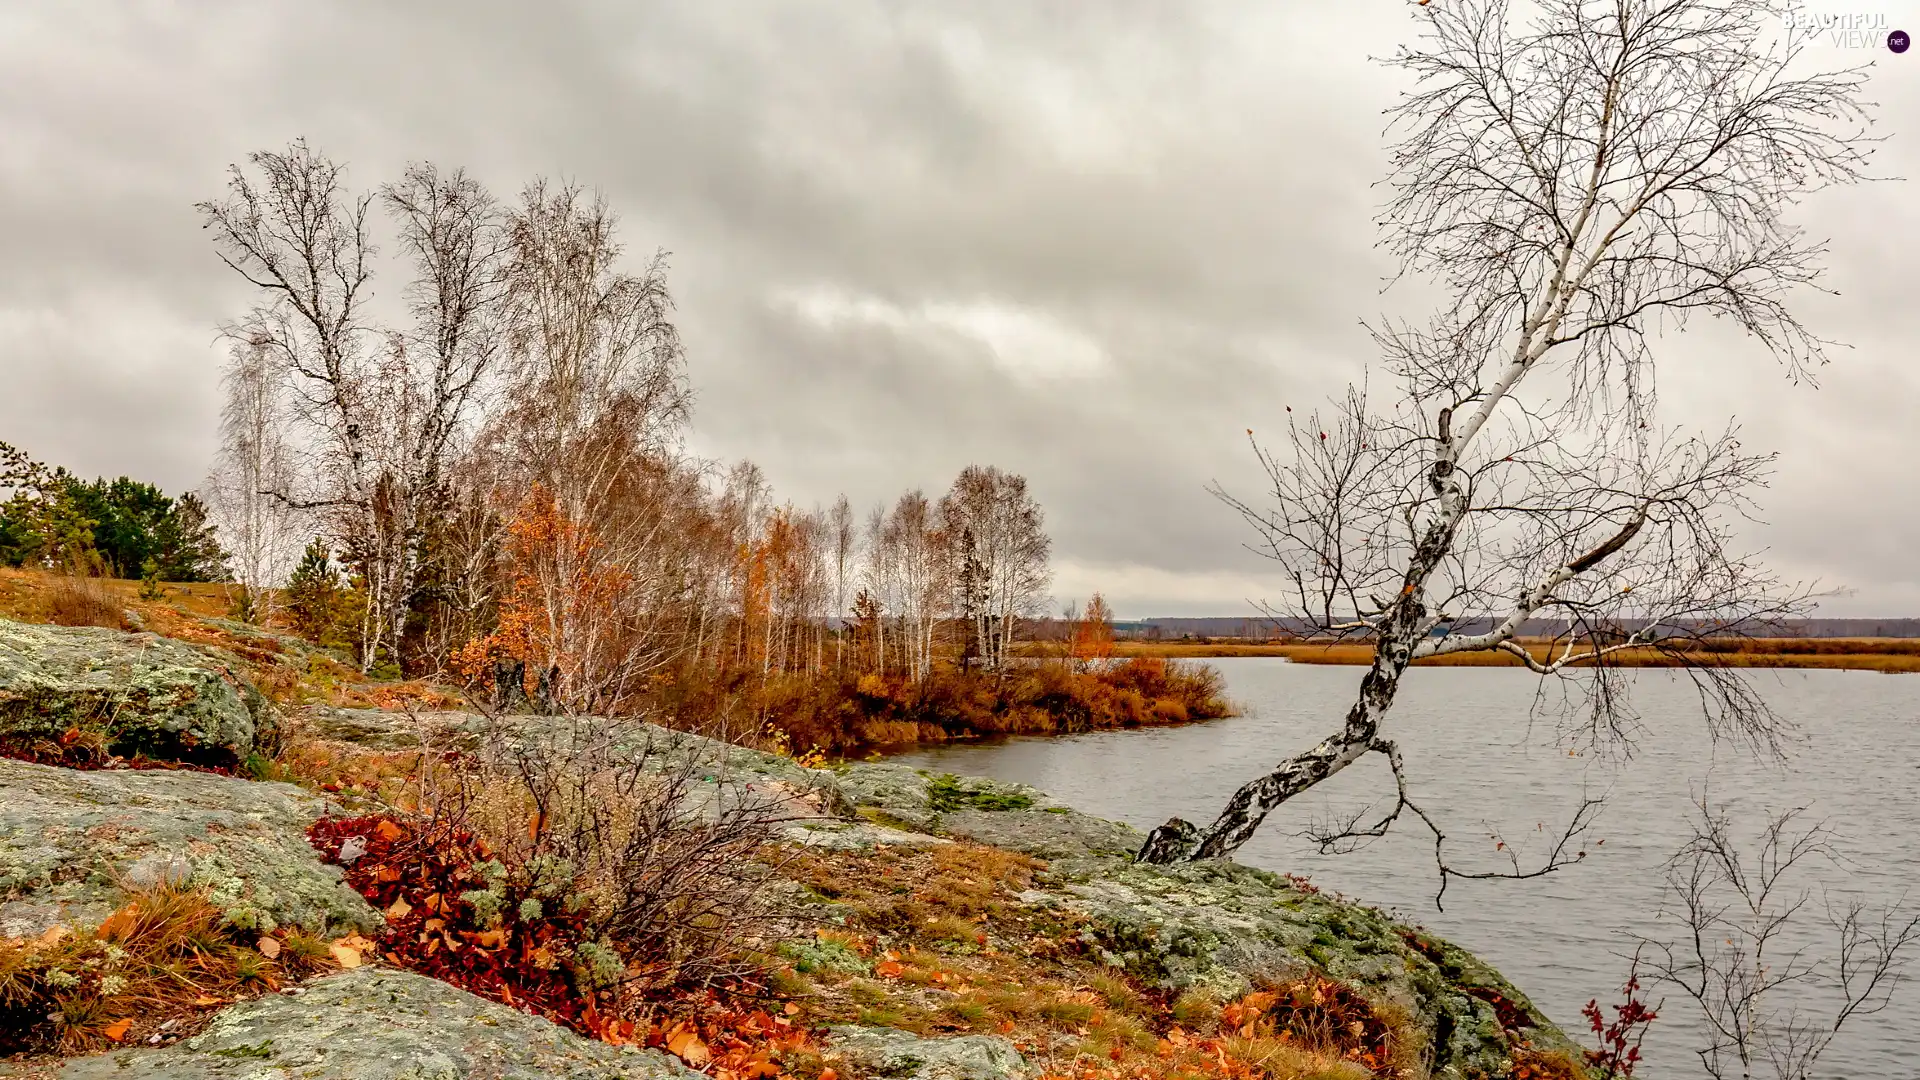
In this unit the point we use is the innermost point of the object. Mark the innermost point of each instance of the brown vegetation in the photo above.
(1856, 654)
(936, 943)
(147, 973)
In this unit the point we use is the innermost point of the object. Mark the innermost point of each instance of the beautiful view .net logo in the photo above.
(1849, 30)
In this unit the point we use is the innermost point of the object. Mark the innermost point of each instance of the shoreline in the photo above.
(1887, 655)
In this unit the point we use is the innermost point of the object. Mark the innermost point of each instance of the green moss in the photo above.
(813, 957)
(945, 794)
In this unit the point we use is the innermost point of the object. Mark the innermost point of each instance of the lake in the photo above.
(1483, 758)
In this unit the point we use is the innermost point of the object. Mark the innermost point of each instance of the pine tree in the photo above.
(314, 595)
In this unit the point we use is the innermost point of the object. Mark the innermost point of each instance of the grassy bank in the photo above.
(1853, 654)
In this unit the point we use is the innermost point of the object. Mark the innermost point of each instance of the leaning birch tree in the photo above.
(1578, 181)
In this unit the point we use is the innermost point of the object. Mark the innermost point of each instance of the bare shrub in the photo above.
(1749, 950)
(638, 839)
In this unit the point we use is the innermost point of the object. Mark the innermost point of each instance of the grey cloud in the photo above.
(1185, 188)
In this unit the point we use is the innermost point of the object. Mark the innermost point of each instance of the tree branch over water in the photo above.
(1580, 184)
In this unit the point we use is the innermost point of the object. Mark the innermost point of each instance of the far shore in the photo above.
(1852, 654)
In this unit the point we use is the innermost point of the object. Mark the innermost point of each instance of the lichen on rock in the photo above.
(71, 842)
(143, 693)
(380, 1024)
(900, 1055)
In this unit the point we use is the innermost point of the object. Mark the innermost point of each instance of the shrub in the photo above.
(583, 872)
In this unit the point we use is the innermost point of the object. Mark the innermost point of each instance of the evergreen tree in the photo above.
(314, 594)
(186, 547)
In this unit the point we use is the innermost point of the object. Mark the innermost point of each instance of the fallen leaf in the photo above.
(490, 939)
(346, 955)
(205, 999)
(54, 934)
(792, 1008)
(889, 970)
(399, 909)
(269, 948)
(829, 1074)
(688, 1048)
(117, 1030)
(388, 831)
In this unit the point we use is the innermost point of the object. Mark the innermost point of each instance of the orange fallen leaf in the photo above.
(399, 909)
(207, 999)
(688, 1048)
(346, 955)
(269, 948)
(792, 1008)
(387, 831)
(889, 970)
(117, 1030)
(829, 1074)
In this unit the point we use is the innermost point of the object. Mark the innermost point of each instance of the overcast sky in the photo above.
(1091, 243)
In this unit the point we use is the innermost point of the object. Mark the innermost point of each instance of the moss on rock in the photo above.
(143, 693)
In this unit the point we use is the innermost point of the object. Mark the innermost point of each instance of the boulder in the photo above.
(144, 693)
(71, 842)
(378, 1024)
(900, 1055)
(1216, 926)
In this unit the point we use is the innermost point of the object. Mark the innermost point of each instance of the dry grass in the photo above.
(156, 967)
(935, 942)
(73, 600)
(1853, 654)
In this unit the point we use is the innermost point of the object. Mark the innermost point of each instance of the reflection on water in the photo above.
(1480, 766)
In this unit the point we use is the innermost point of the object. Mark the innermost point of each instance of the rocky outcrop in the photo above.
(900, 1055)
(374, 1024)
(720, 773)
(72, 842)
(142, 693)
(1012, 816)
(1217, 926)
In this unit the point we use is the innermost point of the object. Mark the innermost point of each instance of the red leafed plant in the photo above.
(1620, 1038)
(423, 882)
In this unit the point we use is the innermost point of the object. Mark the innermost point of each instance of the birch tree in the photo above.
(1008, 545)
(262, 532)
(1578, 181)
(377, 411)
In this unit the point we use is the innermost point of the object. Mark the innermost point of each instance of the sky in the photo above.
(1092, 244)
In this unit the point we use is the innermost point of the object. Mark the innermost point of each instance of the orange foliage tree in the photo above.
(1092, 644)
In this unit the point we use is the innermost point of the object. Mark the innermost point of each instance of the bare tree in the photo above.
(1744, 945)
(1008, 544)
(261, 531)
(379, 410)
(1578, 184)
(845, 540)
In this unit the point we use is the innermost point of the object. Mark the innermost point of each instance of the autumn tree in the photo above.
(378, 411)
(1577, 180)
(1092, 643)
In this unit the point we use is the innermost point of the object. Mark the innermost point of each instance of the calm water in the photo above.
(1476, 762)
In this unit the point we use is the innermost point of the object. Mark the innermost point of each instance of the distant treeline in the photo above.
(1256, 629)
